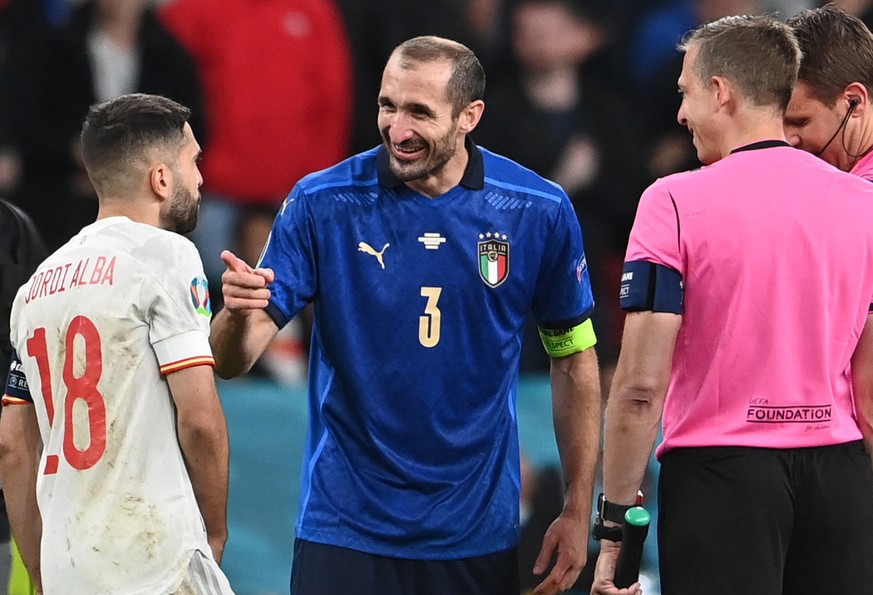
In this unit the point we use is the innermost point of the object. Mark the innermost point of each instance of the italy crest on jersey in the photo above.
(493, 258)
(200, 296)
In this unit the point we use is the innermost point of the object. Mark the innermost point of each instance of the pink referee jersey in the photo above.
(864, 167)
(775, 248)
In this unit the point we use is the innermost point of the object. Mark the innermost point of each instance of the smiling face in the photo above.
(809, 125)
(697, 110)
(419, 130)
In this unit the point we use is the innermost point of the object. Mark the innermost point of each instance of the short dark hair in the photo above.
(759, 54)
(837, 51)
(467, 83)
(119, 133)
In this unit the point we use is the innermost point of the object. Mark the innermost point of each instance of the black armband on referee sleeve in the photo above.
(646, 286)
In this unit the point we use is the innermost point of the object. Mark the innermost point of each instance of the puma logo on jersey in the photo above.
(365, 247)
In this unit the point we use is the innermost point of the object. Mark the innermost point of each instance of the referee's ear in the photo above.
(857, 99)
(469, 117)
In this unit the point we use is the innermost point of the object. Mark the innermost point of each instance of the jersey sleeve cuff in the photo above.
(567, 324)
(10, 400)
(276, 313)
(184, 351)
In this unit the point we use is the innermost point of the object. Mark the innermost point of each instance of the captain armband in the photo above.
(17, 390)
(647, 286)
(563, 342)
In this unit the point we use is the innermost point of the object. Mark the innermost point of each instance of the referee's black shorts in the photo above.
(321, 569)
(755, 521)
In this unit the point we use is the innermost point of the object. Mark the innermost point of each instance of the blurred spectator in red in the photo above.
(563, 119)
(277, 76)
(108, 48)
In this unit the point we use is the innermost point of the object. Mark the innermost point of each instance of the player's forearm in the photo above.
(636, 401)
(576, 409)
(633, 414)
(238, 340)
(19, 464)
(18, 471)
(204, 444)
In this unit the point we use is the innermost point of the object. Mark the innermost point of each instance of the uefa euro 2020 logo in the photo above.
(200, 296)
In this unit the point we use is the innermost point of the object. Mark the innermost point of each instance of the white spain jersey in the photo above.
(96, 328)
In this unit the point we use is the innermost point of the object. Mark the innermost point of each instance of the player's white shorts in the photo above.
(204, 578)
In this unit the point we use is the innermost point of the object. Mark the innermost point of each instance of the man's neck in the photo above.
(752, 129)
(855, 149)
(132, 209)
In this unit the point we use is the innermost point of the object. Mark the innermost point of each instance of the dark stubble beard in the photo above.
(182, 213)
(443, 150)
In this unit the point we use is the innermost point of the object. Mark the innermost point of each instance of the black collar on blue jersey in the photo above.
(473, 178)
(761, 144)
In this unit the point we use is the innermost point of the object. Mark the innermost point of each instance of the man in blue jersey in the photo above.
(422, 258)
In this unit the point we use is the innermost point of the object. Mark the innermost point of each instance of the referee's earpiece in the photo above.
(853, 103)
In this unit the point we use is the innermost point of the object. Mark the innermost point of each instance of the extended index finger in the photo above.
(235, 263)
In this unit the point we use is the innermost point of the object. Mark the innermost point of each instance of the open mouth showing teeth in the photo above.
(407, 150)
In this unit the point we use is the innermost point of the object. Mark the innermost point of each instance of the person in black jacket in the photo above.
(107, 49)
(21, 250)
(25, 32)
(562, 116)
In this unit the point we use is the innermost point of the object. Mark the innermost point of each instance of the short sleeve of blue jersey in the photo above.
(563, 295)
(17, 389)
(291, 252)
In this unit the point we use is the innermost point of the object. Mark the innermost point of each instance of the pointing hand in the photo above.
(243, 287)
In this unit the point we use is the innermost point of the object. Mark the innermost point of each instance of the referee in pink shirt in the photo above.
(748, 286)
(830, 113)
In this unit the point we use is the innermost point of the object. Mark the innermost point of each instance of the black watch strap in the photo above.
(609, 511)
(601, 531)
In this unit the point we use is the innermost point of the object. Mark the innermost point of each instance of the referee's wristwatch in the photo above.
(614, 513)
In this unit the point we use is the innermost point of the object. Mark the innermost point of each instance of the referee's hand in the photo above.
(604, 572)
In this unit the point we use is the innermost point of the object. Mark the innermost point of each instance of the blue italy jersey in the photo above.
(419, 304)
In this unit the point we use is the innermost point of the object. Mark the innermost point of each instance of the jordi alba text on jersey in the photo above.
(98, 270)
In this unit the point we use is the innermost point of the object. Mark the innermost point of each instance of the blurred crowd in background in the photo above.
(581, 91)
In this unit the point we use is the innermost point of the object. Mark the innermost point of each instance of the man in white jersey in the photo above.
(113, 380)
